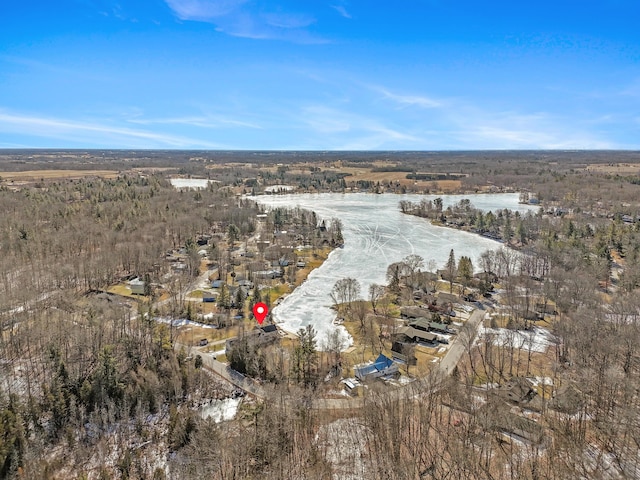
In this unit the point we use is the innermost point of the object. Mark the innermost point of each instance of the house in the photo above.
(412, 312)
(208, 297)
(568, 399)
(269, 330)
(383, 366)
(518, 390)
(420, 324)
(507, 425)
(268, 274)
(403, 352)
(447, 298)
(416, 335)
(281, 262)
(440, 328)
(137, 286)
(260, 336)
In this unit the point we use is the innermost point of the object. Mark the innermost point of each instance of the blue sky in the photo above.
(320, 75)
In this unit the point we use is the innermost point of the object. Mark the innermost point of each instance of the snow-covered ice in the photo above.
(376, 234)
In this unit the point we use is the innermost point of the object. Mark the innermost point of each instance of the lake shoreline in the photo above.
(376, 234)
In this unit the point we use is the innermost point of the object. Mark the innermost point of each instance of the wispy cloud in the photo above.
(92, 133)
(513, 130)
(46, 68)
(341, 10)
(208, 121)
(204, 10)
(408, 100)
(463, 124)
(240, 18)
(344, 130)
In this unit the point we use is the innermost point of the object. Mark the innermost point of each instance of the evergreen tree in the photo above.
(450, 270)
(465, 271)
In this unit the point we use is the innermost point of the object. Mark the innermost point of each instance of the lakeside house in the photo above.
(259, 336)
(381, 367)
(416, 335)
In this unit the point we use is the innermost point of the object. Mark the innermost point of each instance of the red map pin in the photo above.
(260, 311)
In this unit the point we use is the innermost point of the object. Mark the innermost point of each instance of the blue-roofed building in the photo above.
(382, 366)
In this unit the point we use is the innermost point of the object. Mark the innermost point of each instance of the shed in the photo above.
(352, 386)
(137, 286)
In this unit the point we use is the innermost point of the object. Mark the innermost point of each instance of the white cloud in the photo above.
(479, 129)
(341, 10)
(203, 10)
(343, 130)
(92, 133)
(255, 20)
(408, 100)
(206, 121)
(284, 20)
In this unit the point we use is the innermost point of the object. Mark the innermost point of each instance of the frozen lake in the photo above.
(376, 234)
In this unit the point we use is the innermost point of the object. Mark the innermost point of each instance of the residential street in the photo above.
(457, 348)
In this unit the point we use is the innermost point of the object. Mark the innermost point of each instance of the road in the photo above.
(457, 349)
(235, 378)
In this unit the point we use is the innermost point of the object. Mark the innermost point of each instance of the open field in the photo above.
(614, 168)
(366, 174)
(35, 175)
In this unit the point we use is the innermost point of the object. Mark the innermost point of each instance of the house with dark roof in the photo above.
(420, 324)
(440, 328)
(403, 352)
(412, 312)
(260, 336)
(518, 390)
(415, 335)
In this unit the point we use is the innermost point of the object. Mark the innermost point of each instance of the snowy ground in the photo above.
(537, 340)
(344, 445)
(189, 182)
(221, 410)
(376, 235)
(181, 322)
